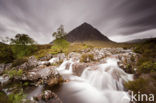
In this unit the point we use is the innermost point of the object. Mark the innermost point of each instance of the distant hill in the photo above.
(2, 43)
(86, 32)
(142, 40)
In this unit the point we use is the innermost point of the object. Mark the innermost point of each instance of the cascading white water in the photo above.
(98, 84)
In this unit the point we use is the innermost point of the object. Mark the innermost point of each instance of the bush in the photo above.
(147, 67)
(6, 54)
(22, 45)
(60, 45)
(18, 62)
(17, 97)
(144, 85)
(87, 58)
(136, 85)
(20, 51)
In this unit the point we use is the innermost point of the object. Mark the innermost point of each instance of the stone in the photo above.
(4, 80)
(2, 68)
(46, 58)
(47, 75)
(78, 68)
(48, 96)
(75, 56)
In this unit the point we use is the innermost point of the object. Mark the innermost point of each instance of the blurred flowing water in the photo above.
(101, 83)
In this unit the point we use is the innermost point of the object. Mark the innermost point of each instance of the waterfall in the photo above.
(101, 83)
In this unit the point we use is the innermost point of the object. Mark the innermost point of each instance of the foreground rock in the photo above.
(43, 75)
(48, 97)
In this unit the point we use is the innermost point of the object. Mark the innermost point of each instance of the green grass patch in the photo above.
(13, 73)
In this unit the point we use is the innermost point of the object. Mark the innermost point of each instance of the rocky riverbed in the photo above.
(38, 78)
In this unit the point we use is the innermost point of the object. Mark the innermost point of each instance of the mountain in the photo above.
(85, 32)
(141, 40)
(1, 43)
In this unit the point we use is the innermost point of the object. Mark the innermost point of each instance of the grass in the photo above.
(13, 73)
(16, 97)
(146, 69)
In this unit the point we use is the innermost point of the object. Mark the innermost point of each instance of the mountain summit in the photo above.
(85, 32)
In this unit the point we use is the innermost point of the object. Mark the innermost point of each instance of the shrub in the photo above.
(22, 45)
(6, 54)
(60, 45)
(147, 67)
(87, 58)
(18, 62)
(136, 85)
(16, 97)
(20, 51)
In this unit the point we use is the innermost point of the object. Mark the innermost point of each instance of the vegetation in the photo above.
(13, 73)
(87, 58)
(6, 54)
(59, 44)
(19, 61)
(146, 69)
(22, 45)
(16, 97)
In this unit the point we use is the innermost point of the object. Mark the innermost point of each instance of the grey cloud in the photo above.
(39, 18)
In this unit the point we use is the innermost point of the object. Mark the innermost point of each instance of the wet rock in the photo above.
(47, 63)
(4, 80)
(46, 58)
(31, 63)
(54, 60)
(79, 67)
(2, 68)
(61, 56)
(47, 75)
(75, 56)
(48, 96)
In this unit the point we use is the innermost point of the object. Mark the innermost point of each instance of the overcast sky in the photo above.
(119, 20)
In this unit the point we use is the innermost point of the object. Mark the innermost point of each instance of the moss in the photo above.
(26, 84)
(87, 58)
(16, 97)
(13, 73)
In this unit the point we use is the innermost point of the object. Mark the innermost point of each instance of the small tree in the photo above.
(60, 33)
(22, 45)
(60, 44)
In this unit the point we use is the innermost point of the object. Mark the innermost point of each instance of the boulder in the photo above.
(46, 75)
(46, 58)
(48, 96)
(31, 63)
(79, 67)
(75, 56)
(2, 68)
(4, 80)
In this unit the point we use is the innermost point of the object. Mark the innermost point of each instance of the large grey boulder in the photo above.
(47, 75)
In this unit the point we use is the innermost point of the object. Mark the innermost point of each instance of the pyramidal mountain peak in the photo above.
(86, 32)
